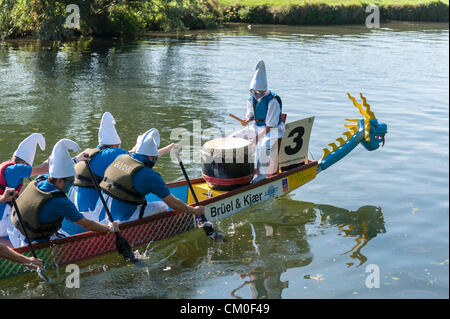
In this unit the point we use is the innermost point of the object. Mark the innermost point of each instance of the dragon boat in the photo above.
(296, 169)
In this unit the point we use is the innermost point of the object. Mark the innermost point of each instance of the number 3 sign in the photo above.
(295, 142)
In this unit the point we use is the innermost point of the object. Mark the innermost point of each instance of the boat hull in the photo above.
(218, 205)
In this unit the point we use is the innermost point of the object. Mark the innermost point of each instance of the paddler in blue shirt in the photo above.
(131, 177)
(264, 112)
(14, 171)
(43, 204)
(83, 193)
(5, 250)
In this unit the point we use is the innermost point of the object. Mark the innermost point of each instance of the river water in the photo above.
(384, 212)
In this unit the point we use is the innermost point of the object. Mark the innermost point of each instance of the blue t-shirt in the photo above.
(100, 162)
(14, 175)
(87, 197)
(145, 181)
(57, 207)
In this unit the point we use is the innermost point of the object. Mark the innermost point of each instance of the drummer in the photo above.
(264, 109)
(130, 178)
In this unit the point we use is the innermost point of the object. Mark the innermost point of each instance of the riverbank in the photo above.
(331, 12)
(22, 18)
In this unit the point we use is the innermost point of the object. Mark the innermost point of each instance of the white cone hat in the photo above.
(107, 134)
(259, 80)
(148, 143)
(61, 164)
(27, 149)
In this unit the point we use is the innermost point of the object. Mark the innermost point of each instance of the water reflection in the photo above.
(267, 241)
(61, 90)
(264, 283)
(275, 247)
(363, 225)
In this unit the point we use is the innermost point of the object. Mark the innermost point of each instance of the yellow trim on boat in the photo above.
(203, 191)
(302, 177)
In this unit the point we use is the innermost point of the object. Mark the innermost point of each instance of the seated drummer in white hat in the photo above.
(264, 112)
(43, 204)
(131, 177)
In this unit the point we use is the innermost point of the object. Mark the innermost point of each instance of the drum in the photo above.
(227, 163)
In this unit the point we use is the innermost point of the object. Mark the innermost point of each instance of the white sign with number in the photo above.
(295, 142)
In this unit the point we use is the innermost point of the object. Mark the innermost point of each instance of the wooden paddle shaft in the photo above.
(99, 192)
(33, 252)
(188, 181)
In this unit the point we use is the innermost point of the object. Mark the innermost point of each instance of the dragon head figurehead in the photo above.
(368, 131)
(374, 131)
(377, 134)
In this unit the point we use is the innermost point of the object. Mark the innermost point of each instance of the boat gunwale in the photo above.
(167, 214)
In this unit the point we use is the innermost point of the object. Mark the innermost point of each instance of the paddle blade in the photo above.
(212, 233)
(124, 248)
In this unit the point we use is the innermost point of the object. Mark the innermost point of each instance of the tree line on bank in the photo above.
(47, 19)
(103, 18)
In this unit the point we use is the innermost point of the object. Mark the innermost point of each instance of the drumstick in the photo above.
(236, 118)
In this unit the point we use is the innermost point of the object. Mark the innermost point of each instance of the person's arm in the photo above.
(249, 115)
(166, 149)
(8, 253)
(92, 225)
(181, 206)
(41, 169)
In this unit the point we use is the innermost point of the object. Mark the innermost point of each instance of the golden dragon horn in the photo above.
(367, 105)
(360, 108)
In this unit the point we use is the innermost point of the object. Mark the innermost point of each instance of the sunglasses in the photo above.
(257, 92)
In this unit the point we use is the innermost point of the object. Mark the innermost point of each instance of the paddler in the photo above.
(131, 177)
(13, 172)
(264, 109)
(83, 193)
(7, 252)
(43, 204)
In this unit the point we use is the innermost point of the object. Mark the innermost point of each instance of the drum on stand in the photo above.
(227, 163)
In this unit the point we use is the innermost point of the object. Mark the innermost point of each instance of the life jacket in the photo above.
(82, 176)
(3, 185)
(118, 180)
(260, 108)
(29, 204)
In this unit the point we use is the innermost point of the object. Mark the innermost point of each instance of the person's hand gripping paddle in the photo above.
(40, 271)
(200, 219)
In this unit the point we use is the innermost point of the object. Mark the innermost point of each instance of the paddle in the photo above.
(123, 246)
(200, 219)
(40, 271)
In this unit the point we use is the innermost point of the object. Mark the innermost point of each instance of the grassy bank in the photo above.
(311, 12)
(286, 3)
(46, 19)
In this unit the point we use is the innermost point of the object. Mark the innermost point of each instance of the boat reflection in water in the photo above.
(363, 224)
(275, 247)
